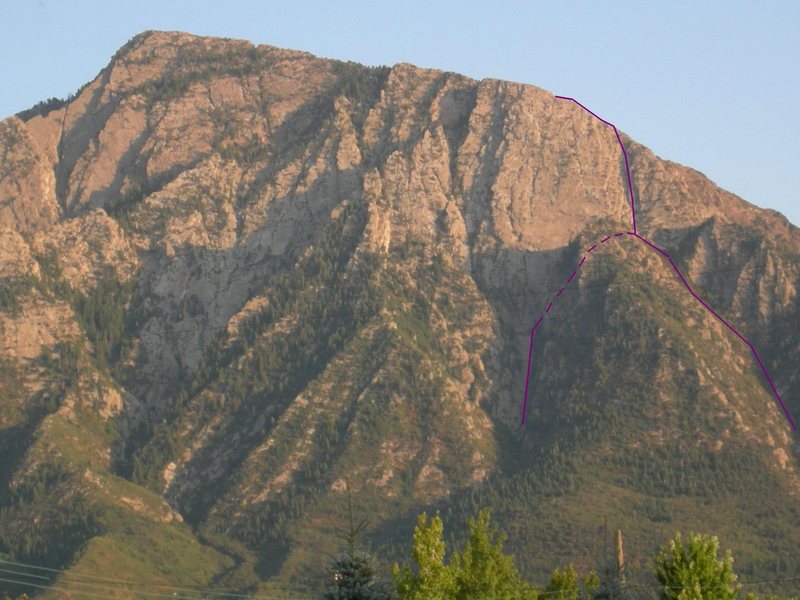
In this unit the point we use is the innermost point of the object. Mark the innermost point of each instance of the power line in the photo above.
(50, 587)
(72, 574)
(261, 596)
(220, 594)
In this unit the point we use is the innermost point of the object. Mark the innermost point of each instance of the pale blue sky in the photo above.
(714, 85)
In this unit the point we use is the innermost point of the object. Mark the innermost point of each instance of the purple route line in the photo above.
(624, 154)
(675, 268)
(728, 325)
(528, 375)
(536, 326)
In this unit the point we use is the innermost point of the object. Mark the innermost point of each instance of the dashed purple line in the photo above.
(536, 325)
(528, 374)
(674, 267)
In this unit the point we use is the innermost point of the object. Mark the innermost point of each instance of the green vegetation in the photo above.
(432, 578)
(564, 585)
(46, 522)
(101, 310)
(480, 570)
(44, 107)
(681, 470)
(685, 569)
(60, 368)
(324, 311)
(352, 575)
(384, 367)
(12, 290)
(102, 314)
(692, 569)
(11, 381)
(120, 207)
(361, 86)
(192, 65)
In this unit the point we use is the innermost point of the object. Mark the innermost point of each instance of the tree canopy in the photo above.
(690, 569)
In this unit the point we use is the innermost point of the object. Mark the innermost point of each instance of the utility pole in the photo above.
(613, 582)
(620, 559)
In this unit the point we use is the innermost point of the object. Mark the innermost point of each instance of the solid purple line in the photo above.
(695, 296)
(653, 246)
(772, 385)
(624, 154)
(618, 234)
(630, 184)
(571, 277)
(674, 267)
(700, 300)
(528, 374)
(728, 325)
(584, 108)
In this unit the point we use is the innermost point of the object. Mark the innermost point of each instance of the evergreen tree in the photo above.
(352, 575)
(354, 578)
(691, 570)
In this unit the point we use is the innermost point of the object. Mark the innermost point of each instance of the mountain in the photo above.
(235, 277)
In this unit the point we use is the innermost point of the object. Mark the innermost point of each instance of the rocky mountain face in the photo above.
(234, 277)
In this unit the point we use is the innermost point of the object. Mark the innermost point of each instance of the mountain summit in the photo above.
(234, 277)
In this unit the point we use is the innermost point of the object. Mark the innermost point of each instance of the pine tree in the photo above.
(352, 575)
(354, 578)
